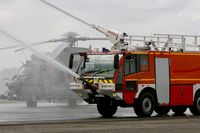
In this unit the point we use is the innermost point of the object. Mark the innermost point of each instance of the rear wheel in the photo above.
(107, 108)
(179, 110)
(162, 110)
(145, 105)
(195, 109)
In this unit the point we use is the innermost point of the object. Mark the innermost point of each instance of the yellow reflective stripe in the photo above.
(105, 81)
(101, 81)
(139, 79)
(111, 81)
(90, 81)
(153, 79)
(185, 79)
(131, 79)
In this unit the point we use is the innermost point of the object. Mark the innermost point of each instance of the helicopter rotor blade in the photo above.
(10, 47)
(91, 38)
(36, 44)
(53, 41)
(42, 56)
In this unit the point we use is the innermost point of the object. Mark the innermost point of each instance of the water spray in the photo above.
(51, 61)
(42, 56)
(115, 37)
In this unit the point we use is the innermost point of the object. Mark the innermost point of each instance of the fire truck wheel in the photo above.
(107, 108)
(145, 105)
(162, 110)
(195, 109)
(179, 110)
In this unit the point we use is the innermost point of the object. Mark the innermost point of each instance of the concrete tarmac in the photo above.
(18, 112)
(59, 118)
(185, 124)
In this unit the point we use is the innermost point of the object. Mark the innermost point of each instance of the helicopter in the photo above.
(37, 80)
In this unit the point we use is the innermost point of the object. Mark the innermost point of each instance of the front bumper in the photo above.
(104, 89)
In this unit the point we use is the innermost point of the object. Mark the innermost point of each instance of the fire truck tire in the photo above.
(195, 109)
(145, 105)
(107, 108)
(179, 110)
(162, 110)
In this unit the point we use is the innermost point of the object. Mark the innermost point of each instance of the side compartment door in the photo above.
(162, 80)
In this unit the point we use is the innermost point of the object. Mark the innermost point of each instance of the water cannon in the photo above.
(115, 37)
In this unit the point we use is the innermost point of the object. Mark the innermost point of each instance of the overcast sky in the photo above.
(33, 21)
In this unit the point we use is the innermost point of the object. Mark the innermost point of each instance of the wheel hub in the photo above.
(146, 104)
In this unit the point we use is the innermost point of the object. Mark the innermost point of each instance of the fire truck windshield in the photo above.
(97, 65)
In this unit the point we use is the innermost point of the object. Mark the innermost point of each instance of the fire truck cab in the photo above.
(145, 80)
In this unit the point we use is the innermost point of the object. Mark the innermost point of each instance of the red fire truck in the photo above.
(147, 81)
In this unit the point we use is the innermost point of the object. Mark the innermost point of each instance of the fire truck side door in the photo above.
(130, 86)
(162, 80)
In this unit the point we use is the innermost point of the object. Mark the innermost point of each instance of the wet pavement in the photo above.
(52, 111)
(18, 112)
(84, 118)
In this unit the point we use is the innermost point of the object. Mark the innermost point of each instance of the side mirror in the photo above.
(116, 61)
(71, 61)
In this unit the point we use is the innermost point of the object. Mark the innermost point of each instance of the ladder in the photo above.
(163, 42)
